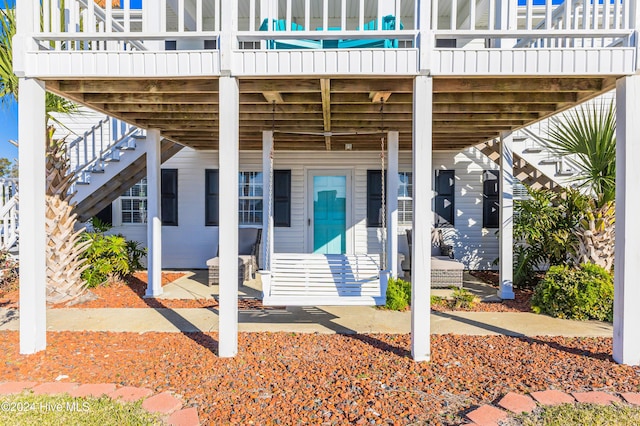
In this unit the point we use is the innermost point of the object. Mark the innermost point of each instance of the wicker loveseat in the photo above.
(445, 270)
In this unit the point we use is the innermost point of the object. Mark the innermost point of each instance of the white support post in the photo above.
(422, 194)
(229, 122)
(152, 23)
(267, 213)
(626, 315)
(392, 203)
(506, 217)
(426, 41)
(154, 221)
(33, 277)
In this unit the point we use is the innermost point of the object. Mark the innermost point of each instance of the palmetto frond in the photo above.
(589, 136)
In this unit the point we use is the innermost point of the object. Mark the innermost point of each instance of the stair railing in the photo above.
(8, 213)
(99, 145)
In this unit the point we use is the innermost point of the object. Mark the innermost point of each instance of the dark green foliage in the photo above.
(398, 294)
(543, 231)
(463, 298)
(581, 294)
(109, 256)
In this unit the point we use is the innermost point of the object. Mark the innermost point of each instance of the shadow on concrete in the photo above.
(482, 325)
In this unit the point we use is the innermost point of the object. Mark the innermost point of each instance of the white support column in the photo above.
(229, 119)
(422, 194)
(154, 221)
(506, 217)
(392, 203)
(152, 23)
(33, 277)
(267, 213)
(626, 315)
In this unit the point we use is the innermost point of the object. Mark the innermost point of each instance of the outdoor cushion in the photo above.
(281, 25)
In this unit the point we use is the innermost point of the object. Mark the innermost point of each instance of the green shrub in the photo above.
(463, 298)
(581, 294)
(109, 257)
(398, 294)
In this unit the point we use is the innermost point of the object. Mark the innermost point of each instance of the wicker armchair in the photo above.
(248, 250)
(445, 271)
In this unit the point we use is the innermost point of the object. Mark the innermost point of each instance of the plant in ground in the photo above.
(109, 257)
(8, 271)
(463, 298)
(595, 234)
(398, 294)
(583, 293)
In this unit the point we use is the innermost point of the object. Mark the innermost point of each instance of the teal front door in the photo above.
(329, 213)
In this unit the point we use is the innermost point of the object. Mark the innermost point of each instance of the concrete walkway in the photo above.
(322, 319)
(318, 319)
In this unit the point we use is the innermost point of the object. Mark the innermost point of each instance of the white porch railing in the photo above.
(100, 145)
(8, 213)
(328, 24)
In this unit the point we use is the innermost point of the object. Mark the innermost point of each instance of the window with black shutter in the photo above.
(445, 184)
(282, 198)
(490, 199)
(374, 198)
(211, 191)
(169, 196)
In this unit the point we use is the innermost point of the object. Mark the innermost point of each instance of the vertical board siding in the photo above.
(191, 243)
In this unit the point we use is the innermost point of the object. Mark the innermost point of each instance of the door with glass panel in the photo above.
(329, 211)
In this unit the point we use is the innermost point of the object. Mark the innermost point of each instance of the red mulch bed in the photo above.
(291, 378)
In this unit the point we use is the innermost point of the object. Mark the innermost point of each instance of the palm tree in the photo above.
(64, 249)
(588, 134)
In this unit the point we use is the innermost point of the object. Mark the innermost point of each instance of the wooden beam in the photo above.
(162, 108)
(499, 84)
(504, 97)
(325, 88)
(140, 86)
(151, 98)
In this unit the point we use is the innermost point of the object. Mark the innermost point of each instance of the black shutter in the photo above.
(444, 198)
(282, 198)
(211, 191)
(374, 198)
(169, 197)
(106, 215)
(491, 200)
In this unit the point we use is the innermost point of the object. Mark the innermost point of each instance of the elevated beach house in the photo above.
(330, 125)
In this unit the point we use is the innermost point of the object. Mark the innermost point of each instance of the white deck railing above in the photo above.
(196, 24)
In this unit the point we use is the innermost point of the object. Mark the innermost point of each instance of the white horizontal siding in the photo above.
(191, 243)
(561, 61)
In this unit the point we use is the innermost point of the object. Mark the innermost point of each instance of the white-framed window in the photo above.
(250, 198)
(405, 199)
(133, 204)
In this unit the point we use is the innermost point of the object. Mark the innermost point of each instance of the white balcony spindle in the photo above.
(46, 16)
(252, 15)
(307, 14)
(127, 14)
(586, 14)
(325, 15)
(454, 14)
(548, 21)
(595, 15)
(472, 14)
(109, 16)
(181, 16)
(361, 15)
(492, 14)
(625, 14)
(217, 15)
(529, 15)
(343, 15)
(397, 9)
(288, 13)
(567, 14)
(199, 17)
(606, 14)
(163, 16)
(616, 14)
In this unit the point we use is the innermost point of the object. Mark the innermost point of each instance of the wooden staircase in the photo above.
(522, 170)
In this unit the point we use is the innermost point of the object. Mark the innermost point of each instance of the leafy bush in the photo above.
(109, 257)
(8, 271)
(463, 298)
(398, 294)
(543, 231)
(581, 294)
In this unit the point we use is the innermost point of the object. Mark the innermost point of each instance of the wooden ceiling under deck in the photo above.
(322, 114)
